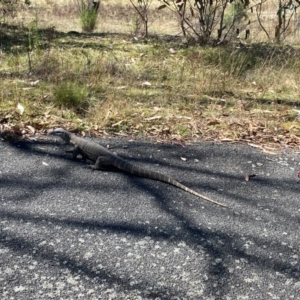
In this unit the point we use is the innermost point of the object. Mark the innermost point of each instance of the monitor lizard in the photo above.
(103, 157)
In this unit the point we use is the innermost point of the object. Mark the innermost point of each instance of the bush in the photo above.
(70, 95)
(88, 13)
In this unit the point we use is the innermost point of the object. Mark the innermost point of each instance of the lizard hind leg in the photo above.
(101, 163)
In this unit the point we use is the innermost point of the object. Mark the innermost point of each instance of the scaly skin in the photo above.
(103, 157)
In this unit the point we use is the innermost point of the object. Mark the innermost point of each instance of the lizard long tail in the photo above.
(135, 170)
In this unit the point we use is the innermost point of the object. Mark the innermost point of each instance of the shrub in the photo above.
(70, 95)
(88, 13)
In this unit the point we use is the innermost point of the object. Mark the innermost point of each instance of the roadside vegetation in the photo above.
(119, 82)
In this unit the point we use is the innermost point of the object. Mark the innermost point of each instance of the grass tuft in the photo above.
(71, 96)
(88, 17)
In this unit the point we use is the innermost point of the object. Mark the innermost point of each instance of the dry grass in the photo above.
(112, 83)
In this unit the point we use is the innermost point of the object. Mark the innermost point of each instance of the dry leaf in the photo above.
(254, 145)
(146, 83)
(153, 118)
(120, 134)
(172, 51)
(118, 123)
(155, 108)
(20, 108)
(213, 122)
(183, 117)
(34, 82)
(31, 129)
(271, 148)
(269, 152)
(247, 177)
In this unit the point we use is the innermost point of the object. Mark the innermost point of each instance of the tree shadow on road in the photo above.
(221, 245)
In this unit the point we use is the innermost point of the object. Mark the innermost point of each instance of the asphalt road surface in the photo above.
(67, 232)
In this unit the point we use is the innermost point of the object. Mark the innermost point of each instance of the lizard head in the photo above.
(62, 133)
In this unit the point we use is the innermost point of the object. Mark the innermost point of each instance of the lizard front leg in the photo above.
(75, 152)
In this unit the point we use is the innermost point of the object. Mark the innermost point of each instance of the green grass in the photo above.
(71, 95)
(88, 19)
(108, 83)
